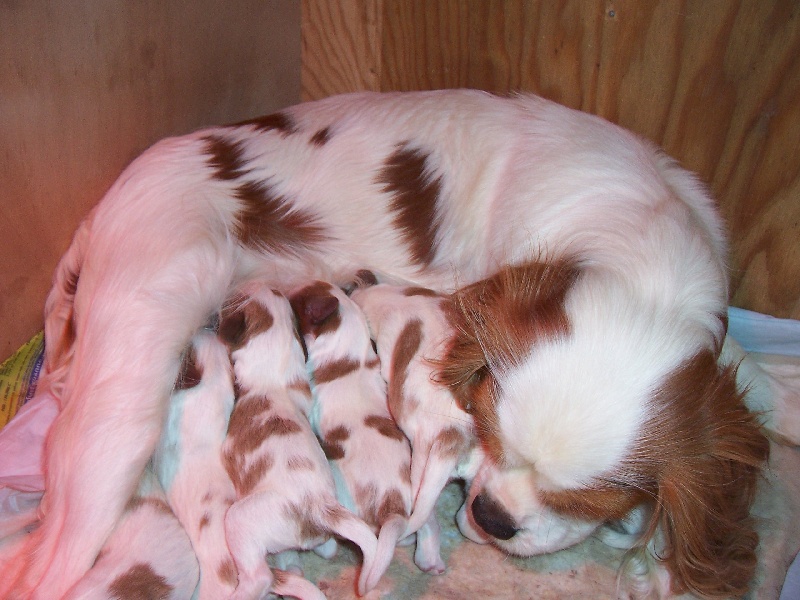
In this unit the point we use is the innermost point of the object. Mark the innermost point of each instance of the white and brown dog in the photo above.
(188, 459)
(286, 497)
(370, 456)
(590, 325)
(413, 331)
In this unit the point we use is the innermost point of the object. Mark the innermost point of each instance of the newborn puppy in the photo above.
(188, 459)
(285, 490)
(412, 330)
(148, 555)
(370, 456)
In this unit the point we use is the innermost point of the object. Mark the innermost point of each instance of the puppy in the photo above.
(285, 491)
(370, 456)
(594, 284)
(412, 328)
(148, 555)
(188, 460)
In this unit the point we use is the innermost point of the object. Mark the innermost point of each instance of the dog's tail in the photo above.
(392, 531)
(348, 526)
(286, 583)
(59, 311)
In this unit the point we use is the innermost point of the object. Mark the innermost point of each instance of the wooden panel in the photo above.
(715, 82)
(86, 86)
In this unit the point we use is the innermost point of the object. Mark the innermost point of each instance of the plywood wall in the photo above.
(715, 82)
(86, 86)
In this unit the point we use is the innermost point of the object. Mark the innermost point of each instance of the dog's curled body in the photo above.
(606, 385)
(286, 498)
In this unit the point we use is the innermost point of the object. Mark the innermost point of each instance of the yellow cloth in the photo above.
(18, 376)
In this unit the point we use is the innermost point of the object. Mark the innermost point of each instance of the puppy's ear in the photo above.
(317, 310)
(708, 482)
(242, 318)
(232, 325)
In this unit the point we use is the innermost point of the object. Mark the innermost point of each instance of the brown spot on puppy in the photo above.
(392, 504)
(317, 310)
(299, 463)
(242, 319)
(450, 442)
(332, 444)
(407, 345)
(140, 582)
(227, 572)
(191, 373)
(415, 193)
(335, 369)
(245, 477)
(385, 426)
(279, 426)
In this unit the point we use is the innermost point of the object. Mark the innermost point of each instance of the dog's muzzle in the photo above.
(492, 518)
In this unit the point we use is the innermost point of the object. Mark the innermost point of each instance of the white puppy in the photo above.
(285, 490)
(188, 460)
(148, 555)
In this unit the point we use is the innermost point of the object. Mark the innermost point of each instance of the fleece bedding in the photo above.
(769, 351)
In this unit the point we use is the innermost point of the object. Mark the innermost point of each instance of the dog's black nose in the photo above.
(493, 518)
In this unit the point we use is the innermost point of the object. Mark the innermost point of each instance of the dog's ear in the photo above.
(232, 325)
(317, 310)
(712, 461)
(242, 318)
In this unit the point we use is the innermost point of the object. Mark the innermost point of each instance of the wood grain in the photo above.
(714, 82)
(86, 86)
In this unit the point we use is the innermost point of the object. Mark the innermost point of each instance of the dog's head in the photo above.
(573, 442)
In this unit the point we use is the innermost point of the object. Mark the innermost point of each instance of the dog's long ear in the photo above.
(708, 483)
(498, 319)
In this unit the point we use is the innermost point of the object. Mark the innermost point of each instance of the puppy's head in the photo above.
(588, 405)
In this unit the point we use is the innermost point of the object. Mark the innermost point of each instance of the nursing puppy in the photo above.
(413, 330)
(285, 492)
(370, 457)
(148, 555)
(188, 460)
(589, 326)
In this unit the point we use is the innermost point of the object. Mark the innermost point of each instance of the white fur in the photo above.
(188, 462)
(520, 177)
(263, 520)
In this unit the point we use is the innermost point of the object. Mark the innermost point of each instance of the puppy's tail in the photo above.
(348, 526)
(286, 583)
(392, 531)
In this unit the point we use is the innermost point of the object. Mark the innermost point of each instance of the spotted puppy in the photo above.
(148, 555)
(285, 490)
(413, 329)
(370, 456)
(188, 459)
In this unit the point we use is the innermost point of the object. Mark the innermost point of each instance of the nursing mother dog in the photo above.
(592, 307)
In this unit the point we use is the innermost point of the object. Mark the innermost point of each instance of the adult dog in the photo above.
(591, 314)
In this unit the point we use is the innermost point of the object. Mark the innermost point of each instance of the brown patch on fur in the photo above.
(414, 197)
(373, 363)
(311, 528)
(405, 471)
(334, 370)
(497, 321)
(205, 521)
(450, 443)
(243, 476)
(321, 137)
(279, 426)
(597, 503)
(268, 221)
(244, 428)
(704, 450)
(225, 157)
(278, 121)
(385, 426)
(227, 572)
(300, 385)
(241, 319)
(420, 291)
(137, 502)
(332, 443)
(317, 309)
(191, 373)
(392, 504)
(140, 582)
(406, 346)
(299, 463)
